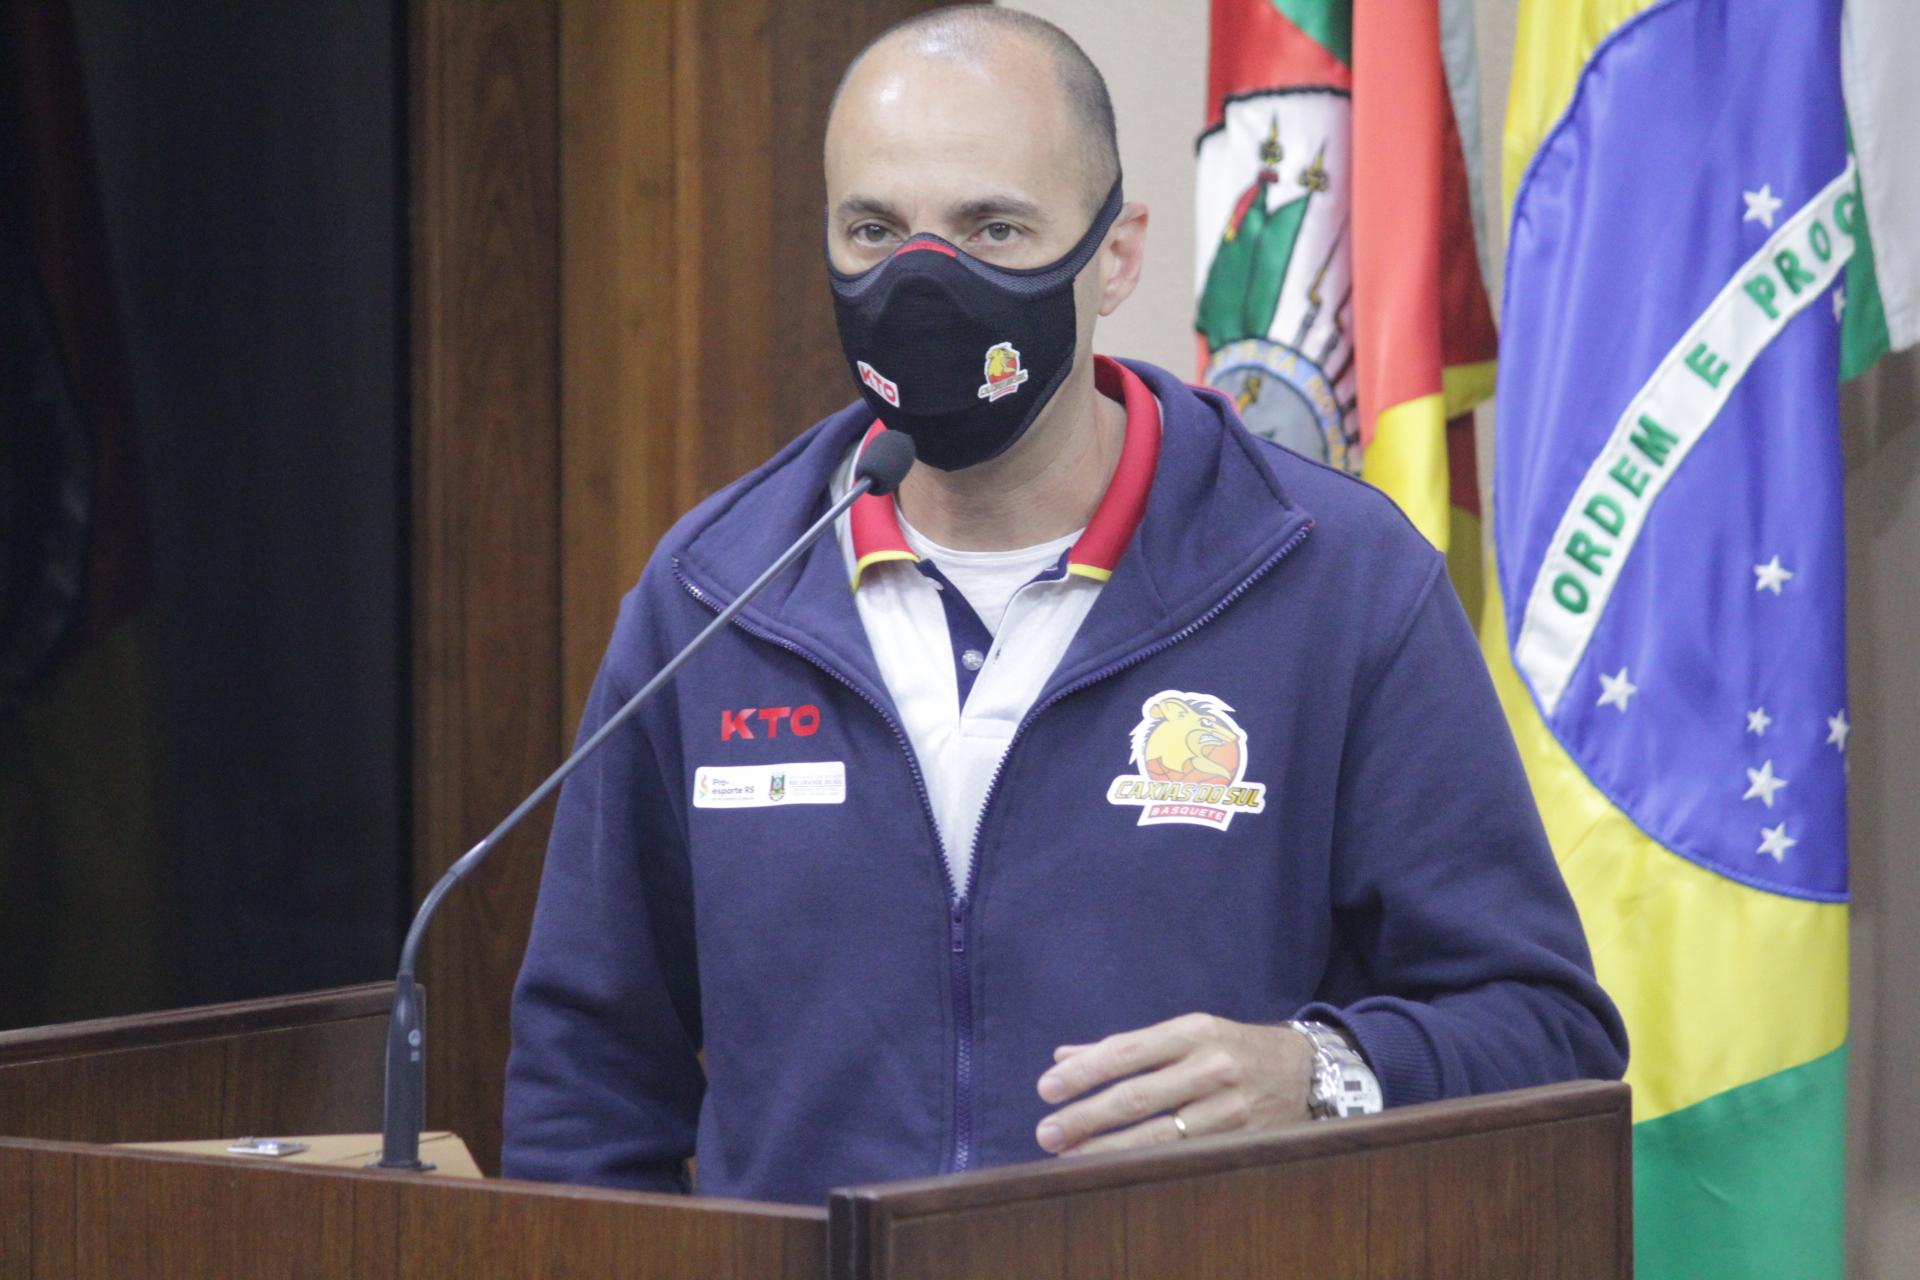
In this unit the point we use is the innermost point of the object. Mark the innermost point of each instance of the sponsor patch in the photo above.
(1190, 762)
(886, 387)
(760, 786)
(802, 722)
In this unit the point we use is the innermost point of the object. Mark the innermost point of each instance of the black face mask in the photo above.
(957, 354)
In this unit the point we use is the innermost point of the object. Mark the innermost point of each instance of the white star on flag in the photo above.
(1838, 729)
(1769, 576)
(1758, 720)
(1774, 842)
(1761, 784)
(1761, 206)
(1839, 304)
(1616, 690)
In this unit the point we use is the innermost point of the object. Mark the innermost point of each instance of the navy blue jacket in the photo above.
(860, 1023)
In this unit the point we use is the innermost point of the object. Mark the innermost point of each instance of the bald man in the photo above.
(1125, 779)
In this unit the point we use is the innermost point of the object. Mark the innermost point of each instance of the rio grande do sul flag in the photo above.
(1341, 299)
(1688, 257)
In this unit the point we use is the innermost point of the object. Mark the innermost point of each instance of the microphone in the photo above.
(883, 464)
(885, 461)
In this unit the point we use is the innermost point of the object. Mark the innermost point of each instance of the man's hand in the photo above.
(1218, 1076)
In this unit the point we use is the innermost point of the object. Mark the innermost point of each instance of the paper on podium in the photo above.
(444, 1151)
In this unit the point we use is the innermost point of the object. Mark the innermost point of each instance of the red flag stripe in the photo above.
(1419, 303)
(1253, 47)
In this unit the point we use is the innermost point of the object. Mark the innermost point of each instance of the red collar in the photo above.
(875, 526)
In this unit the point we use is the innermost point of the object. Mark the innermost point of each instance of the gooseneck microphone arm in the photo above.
(883, 464)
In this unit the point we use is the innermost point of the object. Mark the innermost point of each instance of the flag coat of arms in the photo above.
(1688, 257)
(1340, 294)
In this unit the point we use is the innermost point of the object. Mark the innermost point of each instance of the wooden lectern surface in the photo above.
(295, 1064)
(447, 1155)
(110, 1213)
(1529, 1184)
(1535, 1183)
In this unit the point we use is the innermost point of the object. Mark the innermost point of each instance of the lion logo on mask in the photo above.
(1003, 373)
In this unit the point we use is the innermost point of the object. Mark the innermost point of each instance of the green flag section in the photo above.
(1883, 100)
(1863, 316)
(1242, 290)
(1327, 22)
(1757, 1165)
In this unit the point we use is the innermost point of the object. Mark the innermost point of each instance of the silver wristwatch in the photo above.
(1343, 1083)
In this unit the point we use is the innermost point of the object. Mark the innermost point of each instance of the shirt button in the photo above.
(973, 659)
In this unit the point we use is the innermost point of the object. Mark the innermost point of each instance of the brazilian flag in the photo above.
(1688, 259)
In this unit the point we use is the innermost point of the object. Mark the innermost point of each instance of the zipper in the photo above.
(960, 1155)
(959, 898)
(963, 1043)
(960, 1158)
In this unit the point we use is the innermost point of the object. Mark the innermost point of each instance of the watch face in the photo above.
(1357, 1093)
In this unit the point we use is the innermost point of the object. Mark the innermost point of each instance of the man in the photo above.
(1145, 784)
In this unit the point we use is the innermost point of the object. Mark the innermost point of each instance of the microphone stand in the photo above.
(880, 471)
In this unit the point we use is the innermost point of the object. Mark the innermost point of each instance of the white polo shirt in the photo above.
(963, 646)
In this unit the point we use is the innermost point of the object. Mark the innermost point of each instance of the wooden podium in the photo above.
(1527, 1184)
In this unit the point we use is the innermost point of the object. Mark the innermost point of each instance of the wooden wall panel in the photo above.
(621, 456)
(619, 306)
(697, 333)
(486, 485)
(727, 205)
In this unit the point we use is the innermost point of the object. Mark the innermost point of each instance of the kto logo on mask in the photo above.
(885, 386)
(1004, 374)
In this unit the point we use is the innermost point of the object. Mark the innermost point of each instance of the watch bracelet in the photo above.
(1336, 1062)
